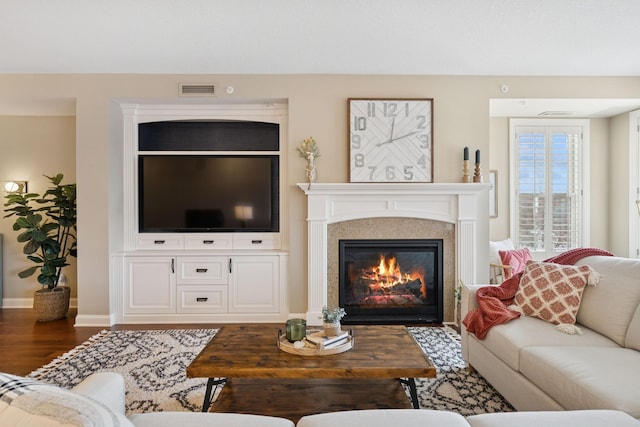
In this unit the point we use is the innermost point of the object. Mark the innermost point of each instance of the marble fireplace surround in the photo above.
(463, 206)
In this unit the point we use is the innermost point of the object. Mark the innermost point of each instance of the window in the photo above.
(548, 178)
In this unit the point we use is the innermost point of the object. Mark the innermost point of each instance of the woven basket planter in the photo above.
(51, 304)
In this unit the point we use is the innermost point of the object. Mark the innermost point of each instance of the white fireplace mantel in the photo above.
(464, 205)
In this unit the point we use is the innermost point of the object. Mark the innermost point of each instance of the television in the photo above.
(208, 193)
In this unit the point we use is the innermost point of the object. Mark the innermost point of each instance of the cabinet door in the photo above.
(150, 285)
(254, 284)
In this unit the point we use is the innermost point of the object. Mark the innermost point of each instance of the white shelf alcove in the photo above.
(466, 206)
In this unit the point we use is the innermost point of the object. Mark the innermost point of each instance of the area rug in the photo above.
(153, 364)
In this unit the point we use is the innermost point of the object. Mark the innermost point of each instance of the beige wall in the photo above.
(317, 107)
(618, 200)
(32, 146)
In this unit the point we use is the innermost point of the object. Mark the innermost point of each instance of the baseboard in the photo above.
(28, 303)
(94, 320)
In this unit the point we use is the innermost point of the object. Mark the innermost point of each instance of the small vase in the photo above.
(331, 329)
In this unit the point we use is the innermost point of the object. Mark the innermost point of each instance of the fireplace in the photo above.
(391, 280)
(463, 206)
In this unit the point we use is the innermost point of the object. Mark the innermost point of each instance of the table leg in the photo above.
(208, 393)
(413, 392)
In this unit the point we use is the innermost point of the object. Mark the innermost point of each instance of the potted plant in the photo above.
(47, 226)
(331, 320)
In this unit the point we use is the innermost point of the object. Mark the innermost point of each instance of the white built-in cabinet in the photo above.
(198, 277)
(206, 287)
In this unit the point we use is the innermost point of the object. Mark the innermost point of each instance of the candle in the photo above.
(466, 153)
(477, 156)
(295, 329)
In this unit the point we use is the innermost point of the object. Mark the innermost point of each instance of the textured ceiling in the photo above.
(449, 37)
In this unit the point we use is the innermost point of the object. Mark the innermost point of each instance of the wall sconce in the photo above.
(13, 186)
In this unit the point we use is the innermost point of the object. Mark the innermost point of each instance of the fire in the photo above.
(388, 274)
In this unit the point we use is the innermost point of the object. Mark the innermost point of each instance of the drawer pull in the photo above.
(201, 270)
(256, 242)
(158, 242)
(202, 299)
(208, 242)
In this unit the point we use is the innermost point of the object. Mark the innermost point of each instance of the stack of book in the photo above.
(319, 339)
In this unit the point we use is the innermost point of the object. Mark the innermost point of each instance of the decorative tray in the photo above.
(316, 344)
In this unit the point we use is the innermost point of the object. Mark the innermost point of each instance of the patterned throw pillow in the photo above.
(25, 401)
(516, 259)
(552, 292)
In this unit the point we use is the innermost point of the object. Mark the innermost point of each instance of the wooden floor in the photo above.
(26, 344)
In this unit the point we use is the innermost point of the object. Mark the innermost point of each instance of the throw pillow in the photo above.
(552, 292)
(25, 401)
(516, 259)
(497, 246)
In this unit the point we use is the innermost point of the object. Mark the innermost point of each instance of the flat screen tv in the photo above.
(208, 193)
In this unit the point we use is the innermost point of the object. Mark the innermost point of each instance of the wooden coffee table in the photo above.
(370, 375)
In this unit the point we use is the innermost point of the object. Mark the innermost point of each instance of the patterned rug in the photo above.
(153, 364)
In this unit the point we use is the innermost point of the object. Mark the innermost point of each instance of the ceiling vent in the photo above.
(557, 113)
(197, 90)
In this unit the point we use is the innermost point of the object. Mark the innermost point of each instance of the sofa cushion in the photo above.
(516, 259)
(586, 377)
(496, 246)
(204, 419)
(506, 340)
(27, 402)
(632, 340)
(609, 307)
(590, 418)
(384, 418)
(552, 292)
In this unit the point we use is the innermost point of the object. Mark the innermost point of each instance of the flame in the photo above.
(388, 274)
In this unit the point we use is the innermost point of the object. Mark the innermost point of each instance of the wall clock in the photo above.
(391, 140)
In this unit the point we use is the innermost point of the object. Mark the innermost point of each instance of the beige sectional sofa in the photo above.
(99, 401)
(536, 367)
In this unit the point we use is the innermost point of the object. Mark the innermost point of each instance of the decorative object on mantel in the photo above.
(48, 231)
(391, 140)
(465, 166)
(331, 320)
(477, 173)
(309, 150)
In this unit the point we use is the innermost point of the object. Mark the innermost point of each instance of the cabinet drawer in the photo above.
(202, 299)
(256, 241)
(208, 241)
(160, 241)
(203, 270)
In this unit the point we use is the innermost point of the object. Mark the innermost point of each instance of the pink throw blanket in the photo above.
(493, 300)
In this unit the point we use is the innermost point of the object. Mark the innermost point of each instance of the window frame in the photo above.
(583, 163)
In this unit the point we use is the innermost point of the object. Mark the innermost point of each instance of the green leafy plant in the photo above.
(47, 227)
(332, 315)
(457, 291)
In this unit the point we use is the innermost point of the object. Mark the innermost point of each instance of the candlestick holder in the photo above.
(465, 171)
(477, 173)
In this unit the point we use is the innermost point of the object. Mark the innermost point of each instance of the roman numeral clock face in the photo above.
(391, 140)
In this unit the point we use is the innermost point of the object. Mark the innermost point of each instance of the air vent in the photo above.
(197, 90)
(557, 113)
